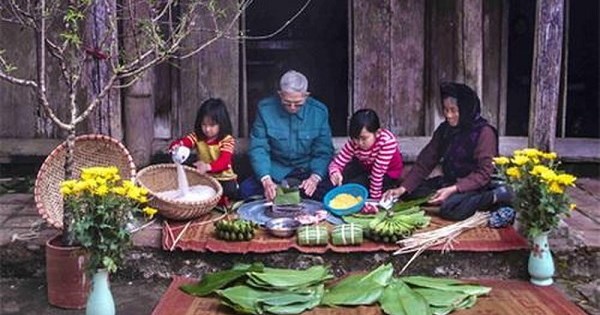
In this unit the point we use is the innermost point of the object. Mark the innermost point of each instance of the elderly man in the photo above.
(290, 140)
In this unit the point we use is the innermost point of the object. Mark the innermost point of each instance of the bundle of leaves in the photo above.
(255, 289)
(102, 204)
(539, 187)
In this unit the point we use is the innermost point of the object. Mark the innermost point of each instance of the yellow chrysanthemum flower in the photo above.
(520, 160)
(101, 190)
(501, 160)
(149, 211)
(531, 152)
(549, 156)
(539, 170)
(513, 172)
(566, 179)
(66, 190)
(555, 188)
(548, 176)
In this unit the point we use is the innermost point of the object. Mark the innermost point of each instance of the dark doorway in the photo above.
(315, 43)
(582, 115)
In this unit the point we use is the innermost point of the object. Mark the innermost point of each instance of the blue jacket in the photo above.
(281, 142)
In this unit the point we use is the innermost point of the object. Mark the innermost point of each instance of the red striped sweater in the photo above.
(382, 158)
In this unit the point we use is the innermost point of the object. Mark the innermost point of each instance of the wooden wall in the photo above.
(400, 51)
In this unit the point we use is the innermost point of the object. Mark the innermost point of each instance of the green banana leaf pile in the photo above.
(399, 208)
(255, 289)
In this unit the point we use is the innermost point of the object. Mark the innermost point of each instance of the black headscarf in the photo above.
(459, 142)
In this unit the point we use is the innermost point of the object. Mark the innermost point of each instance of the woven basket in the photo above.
(163, 177)
(90, 150)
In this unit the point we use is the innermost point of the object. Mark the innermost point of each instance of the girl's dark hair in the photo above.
(214, 109)
(363, 118)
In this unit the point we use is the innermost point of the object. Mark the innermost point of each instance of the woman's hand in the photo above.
(442, 194)
(336, 178)
(270, 188)
(393, 193)
(310, 185)
(202, 167)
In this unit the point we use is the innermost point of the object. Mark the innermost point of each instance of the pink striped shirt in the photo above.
(383, 158)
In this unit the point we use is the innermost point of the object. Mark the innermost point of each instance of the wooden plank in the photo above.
(138, 103)
(441, 56)
(503, 79)
(213, 72)
(492, 56)
(545, 73)
(371, 58)
(106, 118)
(470, 44)
(407, 76)
(18, 103)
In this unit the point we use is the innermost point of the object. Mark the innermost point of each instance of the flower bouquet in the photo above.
(102, 204)
(539, 187)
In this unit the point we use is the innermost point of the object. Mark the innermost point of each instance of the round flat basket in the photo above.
(163, 177)
(90, 150)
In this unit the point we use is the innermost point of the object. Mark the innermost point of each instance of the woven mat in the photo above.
(507, 297)
(199, 236)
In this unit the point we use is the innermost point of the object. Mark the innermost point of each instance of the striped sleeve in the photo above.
(223, 162)
(342, 158)
(386, 147)
(188, 140)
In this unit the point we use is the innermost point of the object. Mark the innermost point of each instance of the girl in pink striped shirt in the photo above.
(371, 157)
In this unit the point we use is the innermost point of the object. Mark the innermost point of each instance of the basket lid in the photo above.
(90, 150)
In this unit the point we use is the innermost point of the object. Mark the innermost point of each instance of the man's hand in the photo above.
(442, 194)
(270, 188)
(310, 185)
(336, 178)
(393, 193)
(202, 167)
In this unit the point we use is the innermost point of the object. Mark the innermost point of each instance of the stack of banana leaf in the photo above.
(255, 289)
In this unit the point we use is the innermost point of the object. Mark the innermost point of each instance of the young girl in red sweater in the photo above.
(371, 156)
(212, 138)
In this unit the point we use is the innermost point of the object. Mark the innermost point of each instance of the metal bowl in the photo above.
(282, 227)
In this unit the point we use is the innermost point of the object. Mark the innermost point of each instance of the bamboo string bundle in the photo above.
(446, 235)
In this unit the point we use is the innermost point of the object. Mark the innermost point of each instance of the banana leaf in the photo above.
(214, 281)
(255, 301)
(399, 299)
(447, 285)
(359, 289)
(287, 196)
(441, 310)
(404, 205)
(287, 278)
(298, 307)
(362, 219)
(468, 302)
(441, 298)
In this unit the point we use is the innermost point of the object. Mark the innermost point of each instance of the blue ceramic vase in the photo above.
(100, 300)
(541, 263)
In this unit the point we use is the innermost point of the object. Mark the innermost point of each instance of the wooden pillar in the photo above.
(213, 72)
(371, 58)
(106, 118)
(441, 40)
(470, 44)
(545, 73)
(138, 103)
(407, 75)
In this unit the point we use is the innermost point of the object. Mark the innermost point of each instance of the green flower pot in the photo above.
(100, 301)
